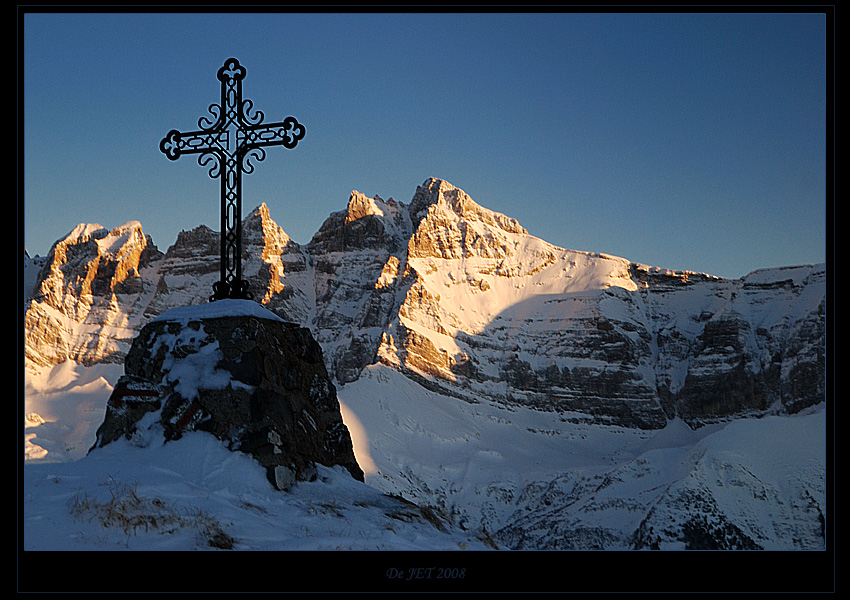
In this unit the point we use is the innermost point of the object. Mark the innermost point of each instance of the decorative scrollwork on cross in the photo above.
(226, 145)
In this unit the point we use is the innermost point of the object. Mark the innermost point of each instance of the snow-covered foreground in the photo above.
(63, 407)
(533, 479)
(141, 497)
(486, 467)
(194, 494)
(483, 472)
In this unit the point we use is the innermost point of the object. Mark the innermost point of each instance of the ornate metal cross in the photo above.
(228, 144)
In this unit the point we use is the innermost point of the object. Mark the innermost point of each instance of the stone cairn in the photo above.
(255, 382)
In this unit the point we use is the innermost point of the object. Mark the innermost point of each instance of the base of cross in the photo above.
(237, 290)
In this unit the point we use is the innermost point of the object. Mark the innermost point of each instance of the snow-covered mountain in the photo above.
(552, 398)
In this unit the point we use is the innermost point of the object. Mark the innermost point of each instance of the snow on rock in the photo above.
(65, 404)
(465, 299)
(84, 304)
(259, 384)
(195, 494)
(217, 310)
(547, 396)
(535, 480)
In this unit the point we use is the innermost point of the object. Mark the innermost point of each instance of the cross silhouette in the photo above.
(227, 145)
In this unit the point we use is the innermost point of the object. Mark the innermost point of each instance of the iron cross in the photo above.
(228, 144)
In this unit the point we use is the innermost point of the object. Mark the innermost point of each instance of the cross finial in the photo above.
(226, 144)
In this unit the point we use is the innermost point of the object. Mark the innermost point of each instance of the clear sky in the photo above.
(682, 141)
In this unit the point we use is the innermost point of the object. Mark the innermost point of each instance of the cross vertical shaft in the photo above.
(227, 146)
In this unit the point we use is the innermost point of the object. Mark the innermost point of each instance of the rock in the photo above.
(254, 381)
(464, 300)
(272, 265)
(81, 304)
(355, 255)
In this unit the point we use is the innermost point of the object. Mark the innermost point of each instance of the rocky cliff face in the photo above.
(465, 301)
(249, 378)
(554, 398)
(84, 306)
(486, 310)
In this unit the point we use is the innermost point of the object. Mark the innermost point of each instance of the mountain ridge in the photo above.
(548, 397)
(464, 300)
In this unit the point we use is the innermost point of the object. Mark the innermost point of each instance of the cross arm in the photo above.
(286, 133)
(176, 143)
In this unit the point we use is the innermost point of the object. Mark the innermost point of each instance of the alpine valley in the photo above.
(539, 397)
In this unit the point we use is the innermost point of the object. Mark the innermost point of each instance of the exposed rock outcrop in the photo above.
(81, 305)
(250, 379)
(464, 300)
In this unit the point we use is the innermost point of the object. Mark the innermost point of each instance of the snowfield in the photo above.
(465, 483)
(495, 475)
(194, 494)
(475, 467)
(491, 467)
(480, 466)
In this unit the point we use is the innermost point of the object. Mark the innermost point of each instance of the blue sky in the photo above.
(683, 141)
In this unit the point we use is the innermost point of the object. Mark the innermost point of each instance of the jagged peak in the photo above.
(128, 226)
(259, 227)
(359, 206)
(438, 194)
(261, 211)
(105, 241)
(260, 219)
(84, 232)
(129, 231)
(433, 191)
(259, 216)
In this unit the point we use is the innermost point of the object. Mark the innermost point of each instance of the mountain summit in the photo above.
(464, 300)
(549, 397)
